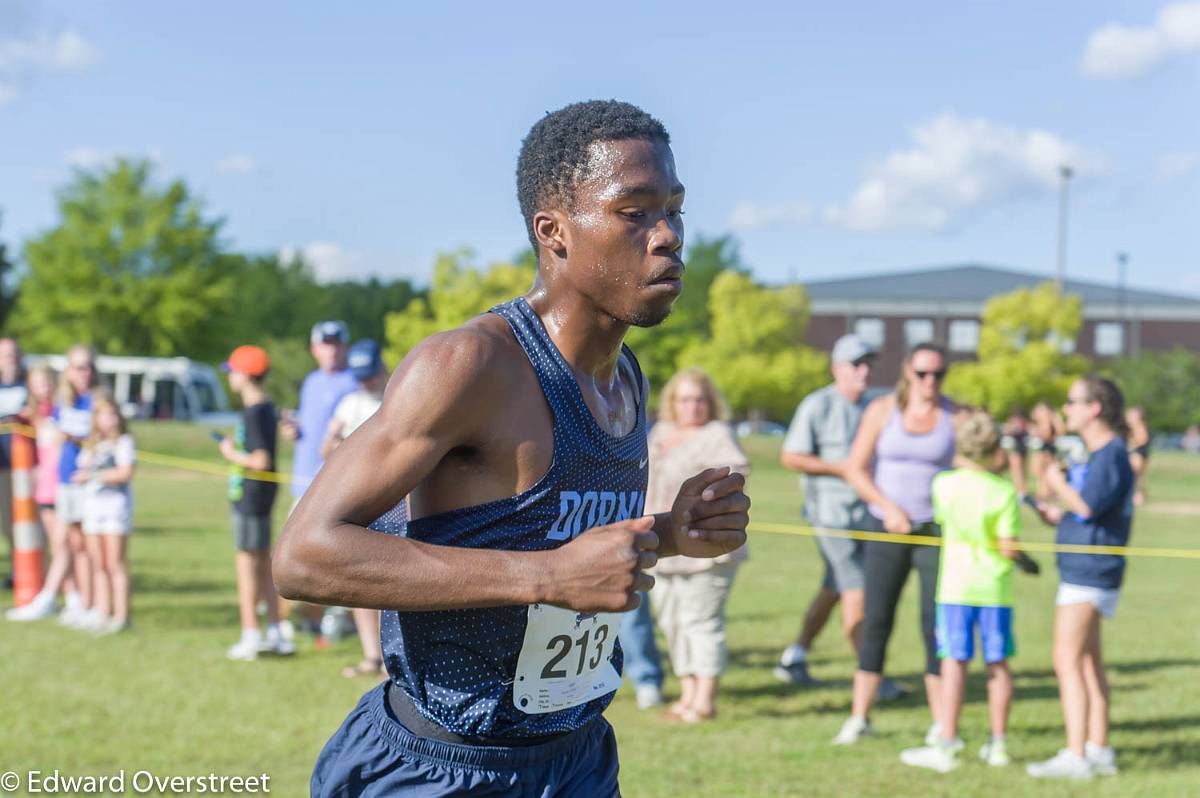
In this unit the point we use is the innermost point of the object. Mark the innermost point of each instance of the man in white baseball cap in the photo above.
(817, 443)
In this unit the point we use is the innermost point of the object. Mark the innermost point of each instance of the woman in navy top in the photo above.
(1095, 509)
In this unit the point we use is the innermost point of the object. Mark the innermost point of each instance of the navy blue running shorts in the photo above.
(373, 754)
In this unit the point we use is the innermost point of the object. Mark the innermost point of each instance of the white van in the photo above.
(158, 387)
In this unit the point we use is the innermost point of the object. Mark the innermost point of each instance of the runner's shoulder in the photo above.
(472, 363)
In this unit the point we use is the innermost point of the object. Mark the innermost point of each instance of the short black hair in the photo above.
(554, 154)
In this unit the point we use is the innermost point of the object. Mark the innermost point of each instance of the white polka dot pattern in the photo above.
(458, 666)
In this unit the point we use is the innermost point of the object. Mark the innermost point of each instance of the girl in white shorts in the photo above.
(106, 471)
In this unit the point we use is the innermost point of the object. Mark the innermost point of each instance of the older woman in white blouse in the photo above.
(691, 435)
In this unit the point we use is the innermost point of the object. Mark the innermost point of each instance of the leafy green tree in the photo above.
(658, 348)
(1021, 357)
(281, 299)
(132, 267)
(1166, 384)
(459, 291)
(7, 292)
(756, 350)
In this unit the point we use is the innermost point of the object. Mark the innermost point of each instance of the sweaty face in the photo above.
(624, 231)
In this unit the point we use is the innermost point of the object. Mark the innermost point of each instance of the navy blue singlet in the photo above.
(458, 666)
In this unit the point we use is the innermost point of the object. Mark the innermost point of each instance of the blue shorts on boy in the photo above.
(955, 630)
(976, 510)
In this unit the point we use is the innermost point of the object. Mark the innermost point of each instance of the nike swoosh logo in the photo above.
(642, 464)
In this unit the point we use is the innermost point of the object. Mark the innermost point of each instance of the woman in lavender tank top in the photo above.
(905, 439)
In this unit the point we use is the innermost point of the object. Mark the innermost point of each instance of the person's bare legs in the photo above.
(59, 576)
(81, 565)
(367, 624)
(248, 589)
(953, 686)
(101, 585)
(1096, 682)
(704, 698)
(866, 687)
(268, 593)
(816, 616)
(1000, 693)
(853, 609)
(1072, 625)
(933, 695)
(116, 562)
(687, 696)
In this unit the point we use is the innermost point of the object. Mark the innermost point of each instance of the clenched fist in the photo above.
(602, 569)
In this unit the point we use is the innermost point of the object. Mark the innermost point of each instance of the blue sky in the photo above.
(831, 140)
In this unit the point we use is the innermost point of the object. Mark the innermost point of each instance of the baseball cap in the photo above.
(365, 359)
(324, 330)
(251, 360)
(850, 348)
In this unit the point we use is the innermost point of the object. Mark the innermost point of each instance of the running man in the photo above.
(512, 436)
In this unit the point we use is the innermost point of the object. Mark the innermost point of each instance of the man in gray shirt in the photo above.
(818, 442)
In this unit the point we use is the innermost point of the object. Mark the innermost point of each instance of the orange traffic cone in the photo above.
(29, 542)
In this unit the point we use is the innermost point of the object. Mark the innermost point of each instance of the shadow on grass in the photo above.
(1170, 723)
(1138, 666)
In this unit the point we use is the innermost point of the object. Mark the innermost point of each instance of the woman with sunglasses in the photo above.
(905, 439)
(1093, 506)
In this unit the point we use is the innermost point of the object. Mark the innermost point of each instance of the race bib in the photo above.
(565, 659)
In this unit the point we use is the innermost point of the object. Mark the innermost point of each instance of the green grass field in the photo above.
(162, 697)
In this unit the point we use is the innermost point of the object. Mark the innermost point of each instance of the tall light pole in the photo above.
(1060, 280)
(1126, 338)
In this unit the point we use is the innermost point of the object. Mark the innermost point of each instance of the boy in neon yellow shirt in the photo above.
(980, 520)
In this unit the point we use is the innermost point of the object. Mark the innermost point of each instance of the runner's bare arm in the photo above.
(443, 396)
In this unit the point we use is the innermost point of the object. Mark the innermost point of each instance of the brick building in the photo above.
(898, 310)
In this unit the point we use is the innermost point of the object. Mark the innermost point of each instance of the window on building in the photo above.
(917, 331)
(1110, 338)
(963, 335)
(871, 331)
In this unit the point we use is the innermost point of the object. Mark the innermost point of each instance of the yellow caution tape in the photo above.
(216, 469)
(933, 540)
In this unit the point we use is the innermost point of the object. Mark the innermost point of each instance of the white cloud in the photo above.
(957, 164)
(331, 262)
(21, 57)
(1174, 165)
(237, 164)
(751, 216)
(1117, 51)
(90, 158)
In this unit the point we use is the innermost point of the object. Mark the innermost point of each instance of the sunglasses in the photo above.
(1071, 401)
(937, 375)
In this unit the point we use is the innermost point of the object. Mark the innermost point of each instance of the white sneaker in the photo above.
(71, 616)
(942, 757)
(934, 737)
(109, 626)
(90, 620)
(995, 753)
(648, 696)
(279, 646)
(1102, 758)
(853, 730)
(1064, 765)
(244, 650)
(41, 606)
